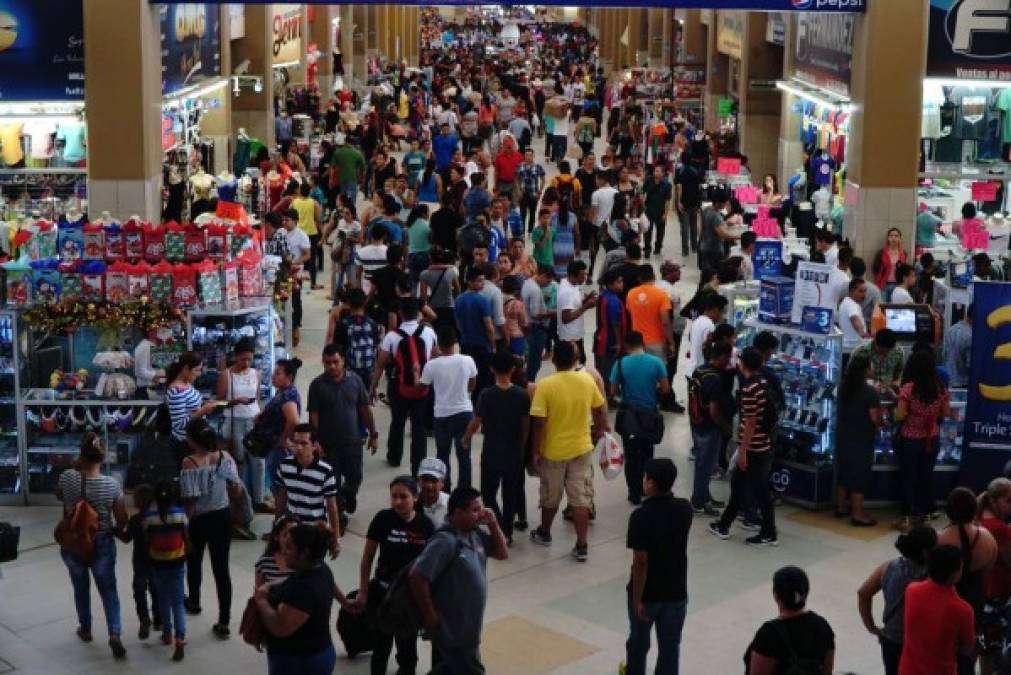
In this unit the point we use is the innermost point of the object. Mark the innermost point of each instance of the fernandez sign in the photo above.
(848, 6)
(970, 39)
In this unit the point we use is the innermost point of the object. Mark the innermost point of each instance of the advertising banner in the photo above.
(190, 44)
(813, 289)
(41, 50)
(845, 6)
(824, 50)
(768, 259)
(987, 430)
(730, 33)
(970, 40)
(286, 29)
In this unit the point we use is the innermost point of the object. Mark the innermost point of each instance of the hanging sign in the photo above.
(41, 50)
(190, 44)
(824, 50)
(286, 30)
(987, 430)
(837, 6)
(970, 40)
(984, 191)
(768, 259)
(730, 33)
(813, 288)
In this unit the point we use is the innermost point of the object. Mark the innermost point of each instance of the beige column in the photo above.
(321, 31)
(347, 41)
(759, 113)
(360, 40)
(667, 40)
(372, 31)
(655, 35)
(883, 148)
(694, 36)
(717, 75)
(124, 141)
(251, 110)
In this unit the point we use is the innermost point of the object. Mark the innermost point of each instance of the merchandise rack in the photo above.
(13, 474)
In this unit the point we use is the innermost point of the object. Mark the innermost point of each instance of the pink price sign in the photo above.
(728, 165)
(984, 191)
(766, 228)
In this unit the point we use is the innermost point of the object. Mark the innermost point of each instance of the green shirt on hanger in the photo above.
(1004, 105)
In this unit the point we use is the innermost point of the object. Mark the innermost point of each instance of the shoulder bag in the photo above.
(77, 530)
(637, 422)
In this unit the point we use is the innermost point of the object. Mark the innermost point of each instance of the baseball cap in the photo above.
(432, 466)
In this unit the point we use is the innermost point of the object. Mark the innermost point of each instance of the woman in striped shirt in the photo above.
(271, 567)
(183, 399)
(165, 527)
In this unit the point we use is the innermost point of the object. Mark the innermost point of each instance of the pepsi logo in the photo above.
(801, 4)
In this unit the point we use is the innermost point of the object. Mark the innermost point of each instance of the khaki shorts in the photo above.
(574, 476)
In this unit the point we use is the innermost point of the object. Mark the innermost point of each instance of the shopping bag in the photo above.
(610, 456)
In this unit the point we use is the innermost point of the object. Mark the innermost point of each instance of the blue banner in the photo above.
(969, 40)
(849, 6)
(988, 412)
(190, 44)
(41, 50)
(768, 259)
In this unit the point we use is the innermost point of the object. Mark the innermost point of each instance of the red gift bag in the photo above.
(195, 239)
(138, 280)
(117, 284)
(93, 280)
(115, 244)
(250, 275)
(219, 242)
(133, 239)
(94, 242)
(154, 242)
(230, 283)
(184, 285)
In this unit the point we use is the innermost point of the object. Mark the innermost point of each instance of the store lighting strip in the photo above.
(43, 108)
(176, 98)
(288, 64)
(948, 82)
(819, 96)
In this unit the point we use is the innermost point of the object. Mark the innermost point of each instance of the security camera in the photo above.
(242, 68)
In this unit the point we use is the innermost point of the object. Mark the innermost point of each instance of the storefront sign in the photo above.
(824, 50)
(768, 259)
(837, 6)
(813, 288)
(730, 33)
(190, 44)
(287, 30)
(987, 429)
(41, 50)
(970, 39)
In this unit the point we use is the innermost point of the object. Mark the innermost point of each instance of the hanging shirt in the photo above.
(72, 135)
(40, 134)
(10, 143)
(1003, 103)
(824, 166)
(974, 112)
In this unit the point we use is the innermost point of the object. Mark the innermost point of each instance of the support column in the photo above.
(347, 43)
(360, 40)
(321, 31)
(758, 119)
(371, 33)
(883, 148)
(655, 35)
(694, 36)
(667, 41)
(124, 148)
(251, 110)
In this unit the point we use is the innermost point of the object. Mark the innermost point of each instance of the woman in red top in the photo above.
(923, 400)
(887, 258)
(994, 511)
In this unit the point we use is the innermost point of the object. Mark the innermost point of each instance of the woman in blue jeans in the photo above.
(105, 495)
(296, 612)
(279, 417)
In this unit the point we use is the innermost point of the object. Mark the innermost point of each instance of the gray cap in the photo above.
(432, 466)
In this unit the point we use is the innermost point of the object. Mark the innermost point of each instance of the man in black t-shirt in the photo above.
(658, 588)
(689, 178)
(504, 411)
(445, 223)
(383, 296)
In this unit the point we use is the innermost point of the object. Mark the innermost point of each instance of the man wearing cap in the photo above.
(658, 588)
(300, 249)
(434, 502)
(349, 163)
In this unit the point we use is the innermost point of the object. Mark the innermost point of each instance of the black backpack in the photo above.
(774, 406)
(698, 408)
(357, 631)
(567, 192)
(472, 236)
(10, 535)
(398, 613)
(153, 460)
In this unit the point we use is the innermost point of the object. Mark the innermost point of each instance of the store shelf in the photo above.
(61, 170)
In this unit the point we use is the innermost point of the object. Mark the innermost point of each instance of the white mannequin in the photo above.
(201, 184)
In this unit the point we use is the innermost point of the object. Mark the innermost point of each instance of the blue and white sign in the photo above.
(41, 50)
(190, 44)
(970, 40)
(847, 6)
(987, 430)
(816, 320)
(768, 259)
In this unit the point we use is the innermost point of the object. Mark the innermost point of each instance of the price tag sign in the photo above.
(728, 165)
(984, 191)
(766, 227)
(746, 194)
(816, 320)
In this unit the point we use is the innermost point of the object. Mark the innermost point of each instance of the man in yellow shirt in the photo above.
(309, 219)
(564, 406)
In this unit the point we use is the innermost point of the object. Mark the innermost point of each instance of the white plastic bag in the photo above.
(610, 456)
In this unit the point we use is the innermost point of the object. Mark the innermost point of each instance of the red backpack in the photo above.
(410, 360)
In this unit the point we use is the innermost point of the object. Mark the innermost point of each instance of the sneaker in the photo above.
(751, 525)
(263, 508)
(221, 631)
(579, 553)
(717, 504)
(762, 540)
(540, 538)
(243, 533)
(191, 607)
(521, 525)
(350, 504)
(678, 408)
(145, 629)
(118, 650)
(716, 530)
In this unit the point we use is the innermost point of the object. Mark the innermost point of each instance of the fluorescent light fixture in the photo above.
(950, 82)
(288, 64)
(815, 94)
(193, 91)
(31, 108)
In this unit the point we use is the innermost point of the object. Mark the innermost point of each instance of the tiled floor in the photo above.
(546, 613)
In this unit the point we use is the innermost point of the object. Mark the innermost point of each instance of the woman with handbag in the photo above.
(208, 482)
(267, 441)
(239, 386)
(103, 496)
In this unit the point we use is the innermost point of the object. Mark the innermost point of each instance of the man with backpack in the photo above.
(407, 349)
(570, 192)
(754, 454)
(357, 337)
(449, 583)
(711, 412)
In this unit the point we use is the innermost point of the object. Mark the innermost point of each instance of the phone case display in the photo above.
(12, 368)
(55, 426)
(213, 334)
(808, 366)
(743, 300)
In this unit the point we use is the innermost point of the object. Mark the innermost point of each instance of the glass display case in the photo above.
(213, 333)
(13, 368)
(808, 366)
(742, 302)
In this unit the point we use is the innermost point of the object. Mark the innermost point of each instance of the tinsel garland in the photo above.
(69, 315)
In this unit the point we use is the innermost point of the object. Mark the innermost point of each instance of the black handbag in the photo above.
(636, 422)
(259, 441)
(10, 535)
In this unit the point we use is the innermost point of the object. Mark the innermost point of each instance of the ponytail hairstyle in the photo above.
(185, 360)
(202, 434)
(791, 587)
(290, 367)
(997, 489)
(312, 540)
(92, 449)
(165, 497)
(961, 511)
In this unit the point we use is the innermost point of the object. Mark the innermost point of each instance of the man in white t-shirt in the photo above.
(902, 294)
(403, 408)
(301, 250)
(452, 376)
(372, 256)
(712, 309)
(602, 202)
(851, 316)
(572, 305)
